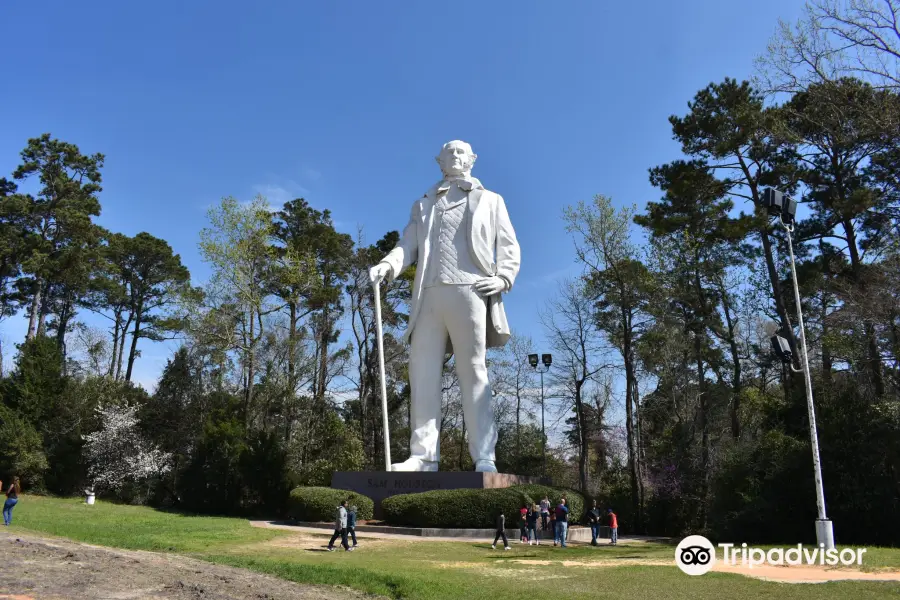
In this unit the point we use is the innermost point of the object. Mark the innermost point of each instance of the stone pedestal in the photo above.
(379, 485)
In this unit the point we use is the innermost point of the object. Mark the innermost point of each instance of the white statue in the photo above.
(460, 237)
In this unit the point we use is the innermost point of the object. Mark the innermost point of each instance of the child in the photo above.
(613, 527)
(545, 512)
(531, 525)
(523, 524)
(351, 523)
(501, 532)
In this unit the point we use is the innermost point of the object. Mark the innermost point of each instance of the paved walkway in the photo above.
(488, 537)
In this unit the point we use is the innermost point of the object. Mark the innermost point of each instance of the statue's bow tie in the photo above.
(464, 184)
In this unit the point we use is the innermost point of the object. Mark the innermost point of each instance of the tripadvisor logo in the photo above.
(696, 555)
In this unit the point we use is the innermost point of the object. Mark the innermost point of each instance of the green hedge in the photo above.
(320, 503)
(472, 508)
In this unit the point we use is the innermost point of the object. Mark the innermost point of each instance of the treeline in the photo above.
(719, 439)
(675, 310)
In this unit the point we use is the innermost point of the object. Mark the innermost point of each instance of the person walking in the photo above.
(12, 498)
(340, 527)
(531, 525)
(613, 527)
(594, 517)
(351, 523)
(562, 522)
(501, 532)
(545, 513)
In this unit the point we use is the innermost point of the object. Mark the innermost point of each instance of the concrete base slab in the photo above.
(576, 534)
(379, 485)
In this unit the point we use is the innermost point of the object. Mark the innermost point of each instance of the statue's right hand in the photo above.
(379, 272)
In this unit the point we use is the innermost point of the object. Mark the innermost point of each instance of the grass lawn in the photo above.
(424, 570)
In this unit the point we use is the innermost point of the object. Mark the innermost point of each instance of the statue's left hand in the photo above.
(490, 286)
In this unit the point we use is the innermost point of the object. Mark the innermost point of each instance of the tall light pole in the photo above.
(546, 360)
(785, 208)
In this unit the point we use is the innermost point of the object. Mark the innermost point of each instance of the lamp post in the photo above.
(546, 361)
(785, 209)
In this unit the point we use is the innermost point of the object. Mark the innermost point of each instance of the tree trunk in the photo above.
(583, 450)
(65, 316)
(874, 356)
(639, 456)
(35, 308)
(704, 428)
(323, 357)
(763, 217)
(630, 383)
(135, 336)
(122, 345)
(251, 365)
(462, 446)
(518, 428)
(292, 346)
(42, 315)
(117, 324)
(827, 359)
(787, 329)
(699, 327)
(735, 366)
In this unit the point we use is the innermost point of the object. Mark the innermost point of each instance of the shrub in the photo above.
(471, 508)
(319, 503)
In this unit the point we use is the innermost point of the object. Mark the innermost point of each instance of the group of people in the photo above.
(555, 520)
(344, 526)
(12, 498)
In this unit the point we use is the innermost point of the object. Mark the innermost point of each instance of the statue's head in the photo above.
(456, 158)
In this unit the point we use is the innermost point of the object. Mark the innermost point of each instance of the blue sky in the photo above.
(347, 103)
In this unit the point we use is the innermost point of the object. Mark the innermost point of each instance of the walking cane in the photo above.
(384, 407)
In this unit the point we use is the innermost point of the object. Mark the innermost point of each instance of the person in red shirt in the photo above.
(613, 527)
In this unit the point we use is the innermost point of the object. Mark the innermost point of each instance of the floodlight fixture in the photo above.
(782, 349)
(773, 201)
(547, 360)
(779, 205)
(533, 360)
(788, 210)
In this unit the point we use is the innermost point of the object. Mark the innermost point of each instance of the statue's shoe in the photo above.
(415, 464)
(485, 466)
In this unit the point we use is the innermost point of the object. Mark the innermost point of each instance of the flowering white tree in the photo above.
(118, 454)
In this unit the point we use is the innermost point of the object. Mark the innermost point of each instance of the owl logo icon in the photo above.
(695, 555)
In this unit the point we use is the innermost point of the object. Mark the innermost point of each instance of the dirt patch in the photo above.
(493, 571)
(806, 574)
(603, 562)
(37, 568)
(311, 542)
(785, 574)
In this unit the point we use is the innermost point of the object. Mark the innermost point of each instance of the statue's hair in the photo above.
(472, 155)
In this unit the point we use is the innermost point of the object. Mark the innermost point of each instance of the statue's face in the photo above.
(456, 158)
